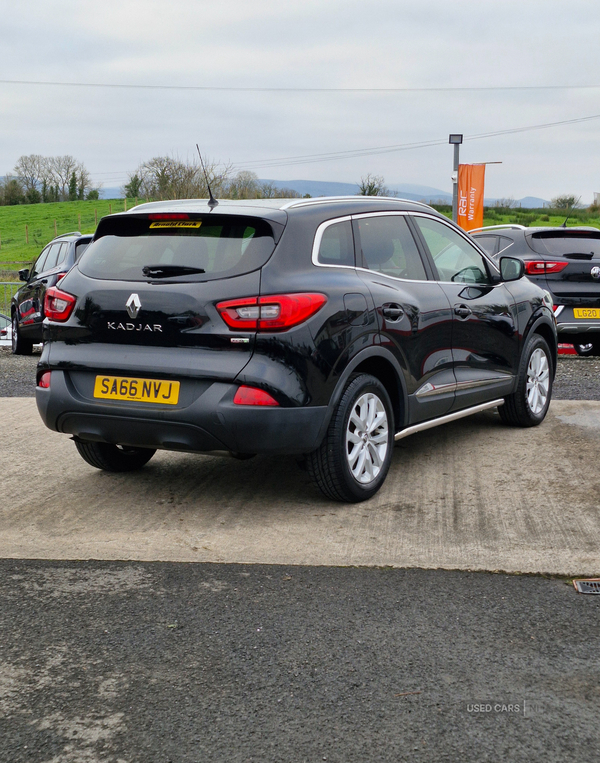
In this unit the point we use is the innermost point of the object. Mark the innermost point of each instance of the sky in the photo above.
(266, 85)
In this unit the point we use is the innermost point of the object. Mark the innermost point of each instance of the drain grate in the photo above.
(591, 585)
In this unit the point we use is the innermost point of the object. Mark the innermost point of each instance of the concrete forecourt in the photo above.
(472, 495)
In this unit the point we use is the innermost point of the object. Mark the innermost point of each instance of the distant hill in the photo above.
(402, 190)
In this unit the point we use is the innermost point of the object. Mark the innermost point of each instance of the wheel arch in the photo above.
(384, 367)
(544, 329)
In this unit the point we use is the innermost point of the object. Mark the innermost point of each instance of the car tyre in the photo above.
(528, 405)
(19, 345)
(354, 458)
(113, 458)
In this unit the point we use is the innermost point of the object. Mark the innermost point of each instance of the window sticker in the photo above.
(176, 224)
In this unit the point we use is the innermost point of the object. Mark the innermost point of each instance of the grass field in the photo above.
(37, 222)
(41, 222)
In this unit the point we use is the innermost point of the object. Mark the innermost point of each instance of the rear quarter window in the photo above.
(221, 246)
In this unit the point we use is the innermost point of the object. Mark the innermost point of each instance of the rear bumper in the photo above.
(209, 422)
(579, 328)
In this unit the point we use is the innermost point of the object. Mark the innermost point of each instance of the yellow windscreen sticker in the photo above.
(177, 224)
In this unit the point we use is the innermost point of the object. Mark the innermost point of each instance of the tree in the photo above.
(508, 203)
(94, 195)
(31, 172)
(565, 202)
(132, 190)
(73, 187)
(166, 177)
(372, 185)
(244, 185)
(11, 191)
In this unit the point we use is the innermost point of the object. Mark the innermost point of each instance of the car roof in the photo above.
(72, 236)
(516, 230)
(274, 207)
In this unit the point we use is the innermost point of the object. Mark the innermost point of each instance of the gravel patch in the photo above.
(576, 378)
(17, 373)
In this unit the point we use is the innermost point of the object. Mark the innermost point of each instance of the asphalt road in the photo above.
(203, 663)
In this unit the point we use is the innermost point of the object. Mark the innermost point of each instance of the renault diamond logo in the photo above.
(133, 305)
(595, 272)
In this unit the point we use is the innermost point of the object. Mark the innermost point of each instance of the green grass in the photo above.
(532, 217)
(16, 253)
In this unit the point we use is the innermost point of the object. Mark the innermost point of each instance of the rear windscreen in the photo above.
(200, 248)
(563, 241)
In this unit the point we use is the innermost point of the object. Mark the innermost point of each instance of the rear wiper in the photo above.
(166, 271)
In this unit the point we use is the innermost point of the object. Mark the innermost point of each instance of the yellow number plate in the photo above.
(137, 390)
(586, 312)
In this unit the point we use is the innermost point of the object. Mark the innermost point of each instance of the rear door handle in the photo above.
(392, 311)
(462, 311)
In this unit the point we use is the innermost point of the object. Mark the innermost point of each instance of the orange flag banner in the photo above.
(471, 179)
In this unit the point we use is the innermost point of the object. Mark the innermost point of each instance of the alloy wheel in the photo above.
(367, 438)
(538, 377)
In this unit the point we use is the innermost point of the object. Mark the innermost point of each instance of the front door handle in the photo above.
(462, 311)
(392, 311)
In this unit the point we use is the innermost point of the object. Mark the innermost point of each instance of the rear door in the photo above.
(415, 320)
(485, 339)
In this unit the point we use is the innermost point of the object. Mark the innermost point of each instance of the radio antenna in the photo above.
(212, 202)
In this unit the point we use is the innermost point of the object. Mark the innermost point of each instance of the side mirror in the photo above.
(24, 274)
(511, 268)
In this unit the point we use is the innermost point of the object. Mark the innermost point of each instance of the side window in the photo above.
(388, 247)
(40, 263)
(80, 248)
(504, 244)
(53, 257)
(337, 245)
(487, 243)
(454, 257)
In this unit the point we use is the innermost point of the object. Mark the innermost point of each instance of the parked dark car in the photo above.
(326, 328)
(27, 305)
(566, 262)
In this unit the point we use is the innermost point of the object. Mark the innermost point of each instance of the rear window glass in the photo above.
(215, 246)
(563, 241)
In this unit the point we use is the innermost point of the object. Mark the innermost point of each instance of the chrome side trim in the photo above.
(429, 389)
(447, 419)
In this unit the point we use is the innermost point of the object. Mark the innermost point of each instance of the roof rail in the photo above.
(71, 233)
(356, 198)
(510, 226)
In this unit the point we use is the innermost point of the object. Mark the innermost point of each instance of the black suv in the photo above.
(326, 328)
(566, 262)
(27, 305)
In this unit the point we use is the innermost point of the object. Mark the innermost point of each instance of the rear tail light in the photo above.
(253, 396)
(44, 380)
(58, 305)
(278, 312)
(60, 276)
(541, 267)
